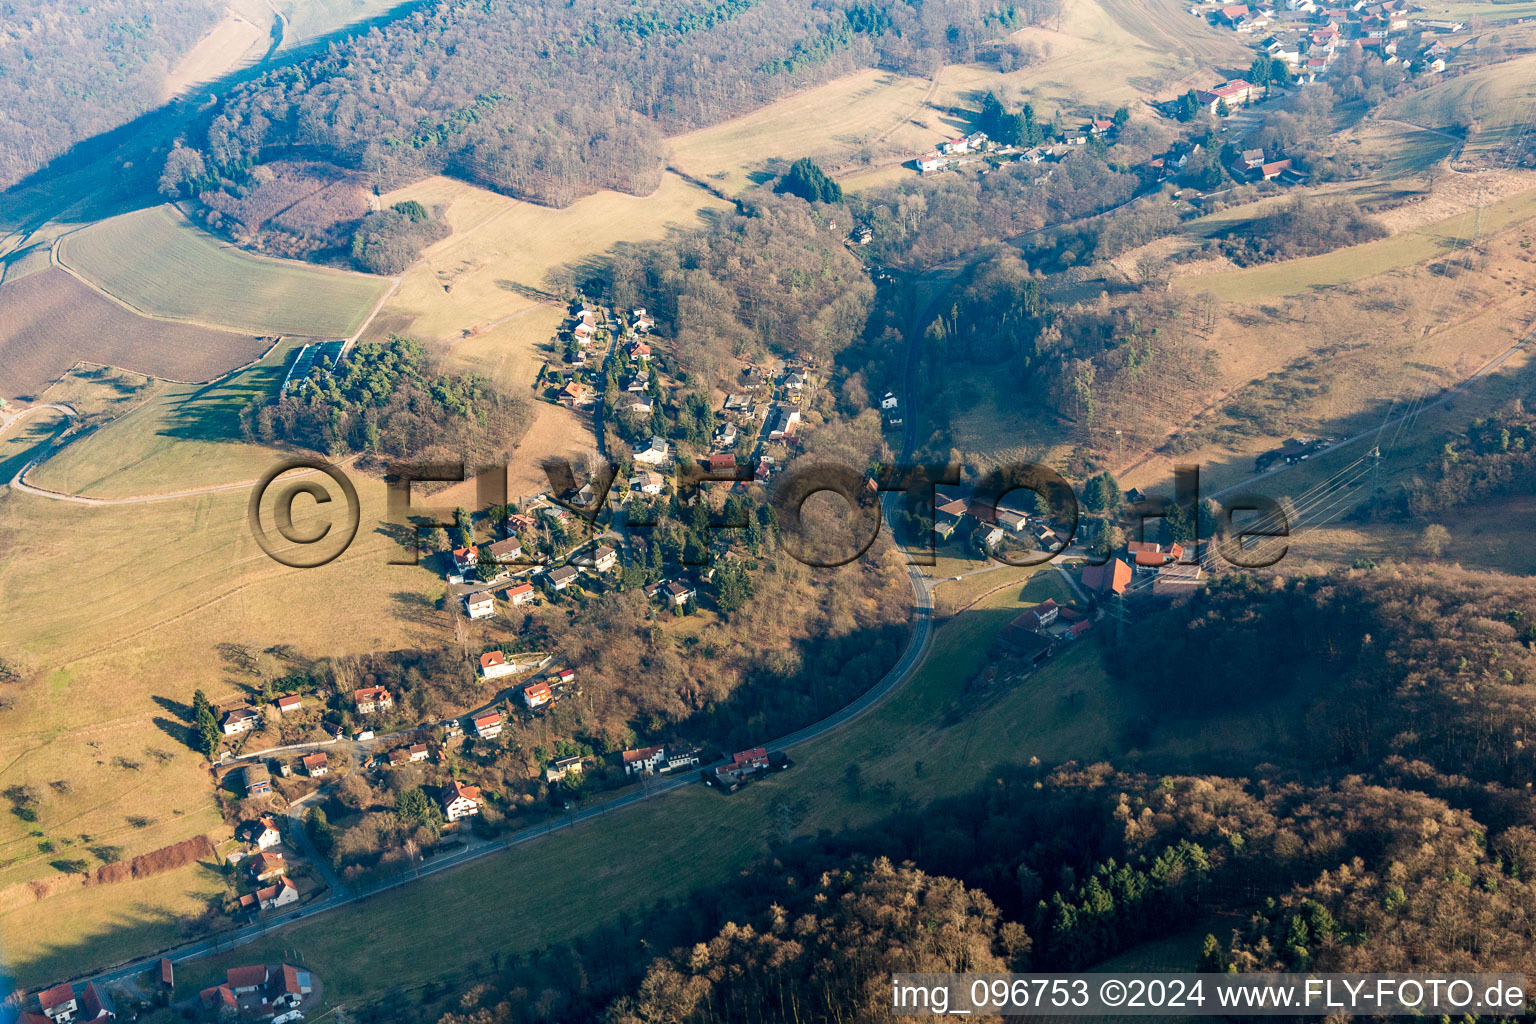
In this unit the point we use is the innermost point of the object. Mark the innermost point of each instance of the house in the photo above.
(504, 551)
(890, 401)
(1023, 638)
(517, 522)
(764, 470)
(676, 759)
(258, 781)
(651, 483)
(1250, 159)
(520, 594)
(263, 833)
(167, 974)
(679, 594)
(1040, 616)
(1044, 535)
(460, 801)
(243, 980)
(558, 579)
(794, 382)
(372, 698)
(465, 559)
(1233, 14)
(757, 757)
(722, 462)
(605, 557)
(1146, 554)
(536, 694)
(295, 985)
(59, 1003)
(931, 164)
(637, 384)
(564, 766)
(493, 665)
(1110, 578)
(656, 453)
(1012, 520)
(316, 765)
(1274, 169)
(640, 352)
(272, 896)
(267, 866)
(1100, 126)
(1232, 93)
(643, 760)
(725, 434)
(487, 725)
(785, 420)
(241, 720)
(1177, 581)
(573, 394)
(480, 605)
(289, 703)
(640, 320)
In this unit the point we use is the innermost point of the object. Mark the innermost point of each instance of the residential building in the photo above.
(271, 897)
(460, 801)
(504, 551)
(566, 676)
(558, 770)
(679, 594)
(241, 720)
(290, 703)
(494, 665)
(1040, 616)
(656, 453)
(480, 605)
(520, 594)
(487, 725)
(465, 559)
(316, 765)
(263, 833)
(371, 699)
(267, 866)
(558, 579)
(258, 781)
(651, 483)
(643, 760)
(536, 694)
(59, 1003)
(605, 558)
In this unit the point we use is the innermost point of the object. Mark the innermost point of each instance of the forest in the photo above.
(1493, 458)
(71, 71)
(390, 401)
(1389, 833)
(494, 91)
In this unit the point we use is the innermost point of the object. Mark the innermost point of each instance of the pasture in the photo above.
(109, 663)
(157, 262)
(1499, 100)
(50, 320)
(1356, 262)
(233, 43)
(182, 436)
(498, 260)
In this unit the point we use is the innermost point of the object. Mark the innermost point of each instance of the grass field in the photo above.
(50, 320)
(183, 436)
(160, 264)
(1353, 263)
(496, 262)
(110, 658)
(1499, 99)
(232, 43)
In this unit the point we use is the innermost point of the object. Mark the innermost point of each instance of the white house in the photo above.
(371, 699)
(890, 401)
(561, 578)
(604, 558)
(460, 801)
(520, 594)
(487, 725)
(241, 720)
(651, 483)
(656, 453)
(316, 765)
(494, 665)
(480, 605)
(644, 760)
(265, 834)
(679, 594)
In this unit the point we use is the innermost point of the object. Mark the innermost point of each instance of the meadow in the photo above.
(50, 320)
(160, 264)
(1499, 100)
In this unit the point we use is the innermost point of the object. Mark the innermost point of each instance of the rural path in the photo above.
(7, 418)
(919, 643)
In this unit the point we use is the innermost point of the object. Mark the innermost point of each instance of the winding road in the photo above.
(919, 643)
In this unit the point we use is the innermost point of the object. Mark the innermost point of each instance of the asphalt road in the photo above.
(918, 645)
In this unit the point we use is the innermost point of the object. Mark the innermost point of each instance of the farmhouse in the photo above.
(536, 695)
(371, 699)
(520, 594)
(241, 720)
(460, 801)
(272, 896)
(480, 605)
(316, 765)
(494, 665)
(1040, 616)
(1233, 93)
(1110, 578)
(487, 725)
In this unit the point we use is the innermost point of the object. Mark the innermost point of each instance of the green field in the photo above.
(625, 863)
(182, 436)
(1499, 100)
(162, 265)
(1353, 263)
